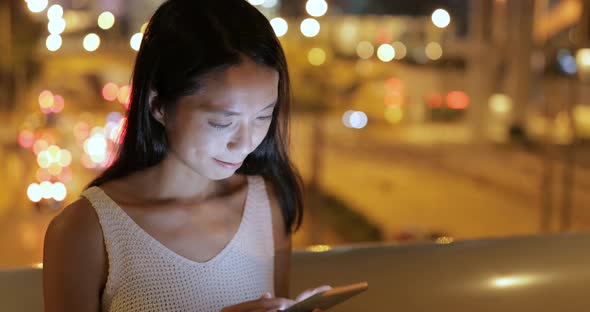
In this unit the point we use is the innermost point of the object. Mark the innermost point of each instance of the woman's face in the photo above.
(214, 130)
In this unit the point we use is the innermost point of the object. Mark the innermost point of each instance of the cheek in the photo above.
(193, 138)
(260, 134)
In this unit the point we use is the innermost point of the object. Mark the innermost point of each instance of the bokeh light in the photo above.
(434, 100)
(500, 103)
(400, 50)
(37, 6)
(39, 146)
(26, 138)
(34, 192)
(280, 26)
(56, 26)
(394, 114)
(58, 191)
(46, 100)
(110, 91)
(355, 119)
(365, 50)
(65, 158)
(135, 41)
(316, 8)
(46, 187)
(269, 4)
(434, 51)
(441, 18)
(567, 62)
(316, 56)
(385, 52)
(106, 20)
(124, 95)
(310, 27)
(53, 42)
(91, 42)
(55, 11)
(457, 100)
(58, 103)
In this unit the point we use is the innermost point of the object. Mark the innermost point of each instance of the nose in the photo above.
(241, 141)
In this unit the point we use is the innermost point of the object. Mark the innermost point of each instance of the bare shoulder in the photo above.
(74, 260)
(77, 223)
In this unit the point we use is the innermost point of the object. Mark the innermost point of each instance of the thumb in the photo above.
(266, 296)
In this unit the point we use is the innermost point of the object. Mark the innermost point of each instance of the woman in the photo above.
(197, 210)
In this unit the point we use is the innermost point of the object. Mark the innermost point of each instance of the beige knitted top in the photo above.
(144, 275)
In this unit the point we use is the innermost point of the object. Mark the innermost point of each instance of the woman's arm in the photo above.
(74, 260)
(282, 243)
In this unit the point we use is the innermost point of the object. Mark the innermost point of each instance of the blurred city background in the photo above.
(414, 121)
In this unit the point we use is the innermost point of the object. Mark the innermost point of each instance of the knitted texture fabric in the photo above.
(144, 275)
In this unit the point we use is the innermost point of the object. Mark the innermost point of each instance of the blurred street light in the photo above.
(583, 63)
(441, 18)
(280, 26)
(106, 20)
(37, 6)
(310, 27)
(91, 42)
(316, 8)
(135, 41)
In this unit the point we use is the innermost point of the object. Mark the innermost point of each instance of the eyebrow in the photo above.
(228, 113)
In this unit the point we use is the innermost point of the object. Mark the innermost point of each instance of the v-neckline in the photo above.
(216, 258)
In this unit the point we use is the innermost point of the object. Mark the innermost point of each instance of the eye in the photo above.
(265, 117)
(219, 126)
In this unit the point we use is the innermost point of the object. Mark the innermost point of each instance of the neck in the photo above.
(174, 180)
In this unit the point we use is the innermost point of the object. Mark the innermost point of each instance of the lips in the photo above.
(228, 164)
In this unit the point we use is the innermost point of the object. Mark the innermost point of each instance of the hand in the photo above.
(264, 304)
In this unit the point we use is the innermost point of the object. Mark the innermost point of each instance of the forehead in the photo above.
(247, 84)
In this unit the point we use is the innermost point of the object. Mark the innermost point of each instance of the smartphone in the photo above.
(329, 298)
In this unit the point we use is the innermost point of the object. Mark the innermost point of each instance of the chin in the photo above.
(220, 174)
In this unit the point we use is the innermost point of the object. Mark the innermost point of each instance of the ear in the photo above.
(156, 107)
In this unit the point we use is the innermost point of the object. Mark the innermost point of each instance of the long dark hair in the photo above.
(184, 40)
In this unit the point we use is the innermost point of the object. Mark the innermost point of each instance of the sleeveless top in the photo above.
(144, 275)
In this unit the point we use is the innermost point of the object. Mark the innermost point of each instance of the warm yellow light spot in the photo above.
(46, 187)
(106, 20)
(394, 114)
(434, 51)
(365, 50)
(400, 50)
(316, 56)
(500, 103)
(319, 248)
